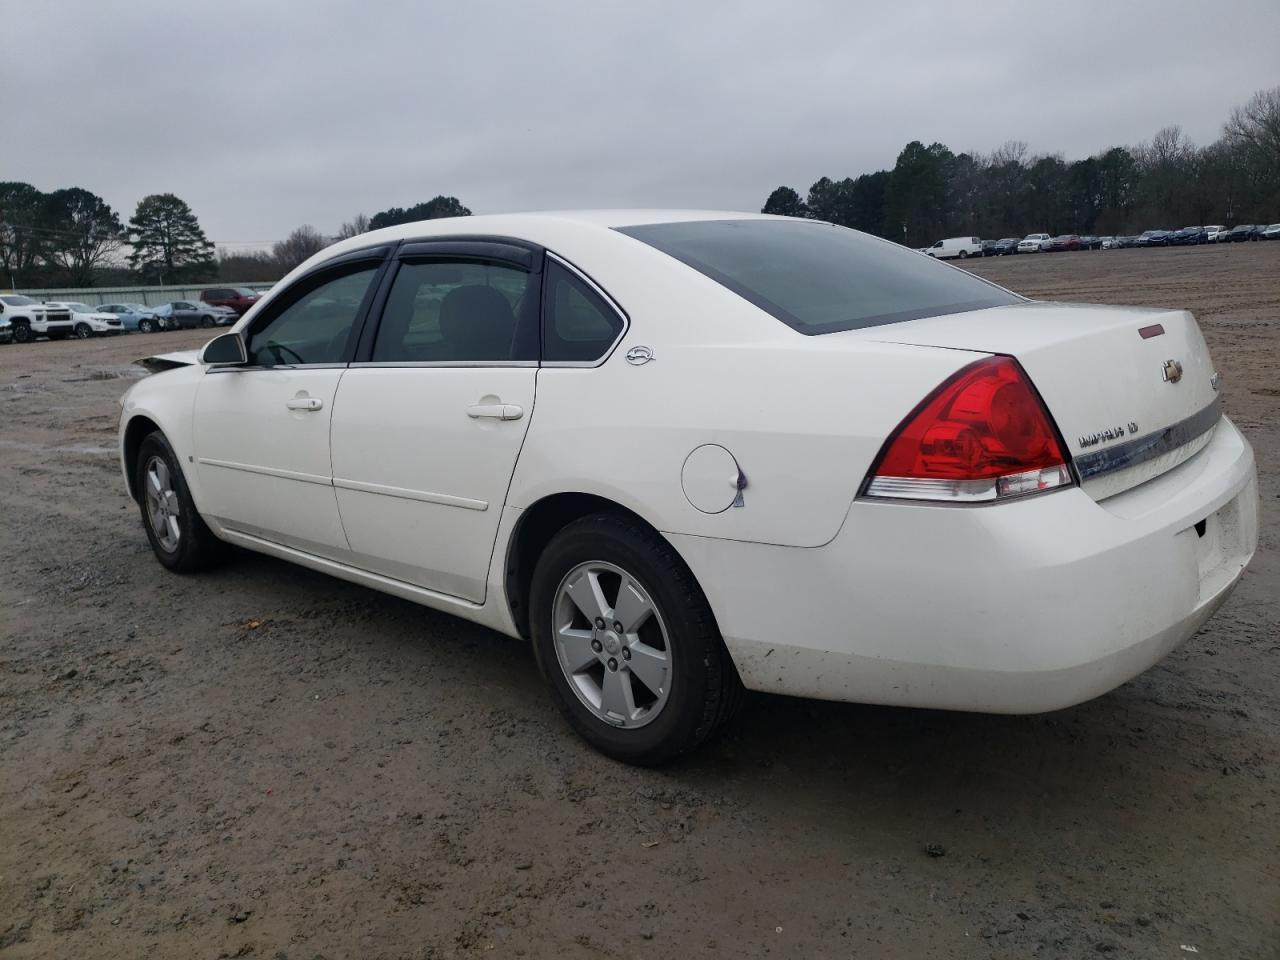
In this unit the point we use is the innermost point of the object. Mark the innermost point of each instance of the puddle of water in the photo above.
(94, 449)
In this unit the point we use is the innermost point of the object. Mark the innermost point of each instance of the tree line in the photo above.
(73, 238)
(1165, 182)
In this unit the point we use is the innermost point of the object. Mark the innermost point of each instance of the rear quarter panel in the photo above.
(803, 416)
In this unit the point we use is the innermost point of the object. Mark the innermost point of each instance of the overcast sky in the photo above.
(268, 114)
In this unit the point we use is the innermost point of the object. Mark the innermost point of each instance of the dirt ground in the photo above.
(266, 762)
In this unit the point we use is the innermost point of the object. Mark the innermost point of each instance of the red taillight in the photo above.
(983, 434)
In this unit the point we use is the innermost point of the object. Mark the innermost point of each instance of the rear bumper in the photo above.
(1013, 608)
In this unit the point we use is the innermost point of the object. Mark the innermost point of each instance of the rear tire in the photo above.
(179, 537)
(963, 254)
(666, 667)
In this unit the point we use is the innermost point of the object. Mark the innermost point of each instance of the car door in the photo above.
(262, 429)
(430, 418)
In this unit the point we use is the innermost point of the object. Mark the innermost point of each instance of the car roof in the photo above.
(519, 223)
(535, 226)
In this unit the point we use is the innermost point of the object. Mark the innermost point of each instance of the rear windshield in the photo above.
(18, 301)
(818, 278)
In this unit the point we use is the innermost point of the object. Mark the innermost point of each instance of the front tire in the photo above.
(83, 331)
(627, 642)
(145, 326)
(22, 333)
(181, 540)
(206, 322)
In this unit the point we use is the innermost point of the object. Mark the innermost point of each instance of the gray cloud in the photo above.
(264, 116)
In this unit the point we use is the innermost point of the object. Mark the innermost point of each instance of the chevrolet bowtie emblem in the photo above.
(1172, 371)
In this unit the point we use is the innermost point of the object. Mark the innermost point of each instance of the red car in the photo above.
(1068, 241)
(239, 299)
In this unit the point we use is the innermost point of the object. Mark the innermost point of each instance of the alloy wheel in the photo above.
(163, 506)
(612, 644)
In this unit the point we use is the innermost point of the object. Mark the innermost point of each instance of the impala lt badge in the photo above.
(1172, 371)
(1109, 434)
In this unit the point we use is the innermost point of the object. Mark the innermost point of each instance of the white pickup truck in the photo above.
(29, 319)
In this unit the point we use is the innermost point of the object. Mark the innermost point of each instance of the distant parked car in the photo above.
(1067, 241)
(1090, 242)
(131, 316)
(1033, 243)
(1272, 232)
(1212, 232)
(87, 321)
(1107, 243)
(183, 315)
(1154, 238)
(957, 247)
(239, 299)
(1005, 246)
(1239, 233)
(1188, 237)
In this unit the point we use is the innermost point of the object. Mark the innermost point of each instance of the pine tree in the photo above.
(168, 244)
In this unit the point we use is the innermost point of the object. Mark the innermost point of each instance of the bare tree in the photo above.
(1253, 133)
(1257, 124)
(1010, 152)
(299, 246)
(353, 228)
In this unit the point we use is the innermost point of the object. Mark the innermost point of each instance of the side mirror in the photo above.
(226, 350)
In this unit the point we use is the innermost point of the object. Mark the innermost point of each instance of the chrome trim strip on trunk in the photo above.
(1149, 446)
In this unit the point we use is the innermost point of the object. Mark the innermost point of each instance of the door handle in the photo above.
(304, 403)
(495, 411)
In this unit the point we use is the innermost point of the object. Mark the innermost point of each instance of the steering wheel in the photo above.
(279, 348)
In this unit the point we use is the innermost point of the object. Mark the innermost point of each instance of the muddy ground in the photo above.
(266, 762)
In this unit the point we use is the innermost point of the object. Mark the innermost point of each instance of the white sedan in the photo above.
(683, 453)
(87, 321)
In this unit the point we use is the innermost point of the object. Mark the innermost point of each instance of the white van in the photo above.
(955, 247)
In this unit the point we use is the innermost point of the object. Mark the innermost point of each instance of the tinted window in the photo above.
(18, 301)
(312, 322)
(818, 278)
(577, 325)
(443, 311)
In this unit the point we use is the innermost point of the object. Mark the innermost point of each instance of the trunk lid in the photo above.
(1132, 389)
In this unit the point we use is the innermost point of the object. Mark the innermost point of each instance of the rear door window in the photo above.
(456, 312)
